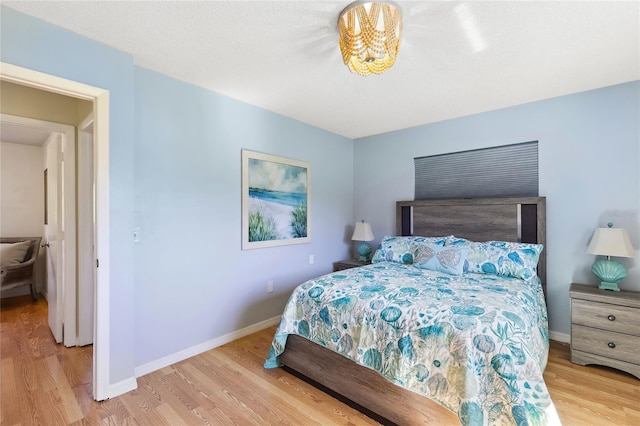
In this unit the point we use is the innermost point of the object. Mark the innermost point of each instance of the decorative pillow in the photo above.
(402, 249)
(518, 260)
(447, 259)
(13, 253)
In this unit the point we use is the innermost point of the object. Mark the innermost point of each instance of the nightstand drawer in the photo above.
(605, 316)
(606, 343)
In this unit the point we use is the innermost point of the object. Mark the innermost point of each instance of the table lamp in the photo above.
(362, 232)
(610, 242)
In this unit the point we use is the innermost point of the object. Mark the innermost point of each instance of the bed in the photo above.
(447, 325)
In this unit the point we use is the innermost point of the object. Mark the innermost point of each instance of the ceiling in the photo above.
(22, 134)
(455, 58)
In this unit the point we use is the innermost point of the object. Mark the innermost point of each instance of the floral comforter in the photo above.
(477, 344)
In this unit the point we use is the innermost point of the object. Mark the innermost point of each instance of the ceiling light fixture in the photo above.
(370, 36)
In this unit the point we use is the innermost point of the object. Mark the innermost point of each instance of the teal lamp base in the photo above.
(610, 274)
(364, 250)
(608, 286)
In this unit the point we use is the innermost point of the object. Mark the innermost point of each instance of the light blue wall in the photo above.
(589, 157)
(193, 281)
(175, 172)
(34, 44)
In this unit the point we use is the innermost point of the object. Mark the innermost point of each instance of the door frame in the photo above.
(100, 98)
(86, 232)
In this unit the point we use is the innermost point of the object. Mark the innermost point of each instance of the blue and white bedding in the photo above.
(475, 343)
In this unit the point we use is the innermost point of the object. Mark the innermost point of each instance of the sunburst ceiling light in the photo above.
(370, 36)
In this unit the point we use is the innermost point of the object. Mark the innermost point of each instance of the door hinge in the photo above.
(97, 263)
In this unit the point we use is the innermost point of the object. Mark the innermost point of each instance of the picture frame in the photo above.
(276, 202)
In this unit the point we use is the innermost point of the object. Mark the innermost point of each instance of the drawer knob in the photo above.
(611, 317)
(611, 345)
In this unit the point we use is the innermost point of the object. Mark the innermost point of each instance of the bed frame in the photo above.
(482, 219)
(501, 219)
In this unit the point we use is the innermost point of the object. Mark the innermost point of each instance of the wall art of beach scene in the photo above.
(277, 207)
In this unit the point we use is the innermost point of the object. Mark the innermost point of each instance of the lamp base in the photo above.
(608, 286)
(364, 250)
(610, 273)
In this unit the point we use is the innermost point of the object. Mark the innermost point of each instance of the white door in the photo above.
(54, 234)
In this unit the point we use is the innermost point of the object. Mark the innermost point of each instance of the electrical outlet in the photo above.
(136, 235)
(311, 259)
(270, 286)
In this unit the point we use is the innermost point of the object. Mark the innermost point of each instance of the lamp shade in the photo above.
(362, 232)
(611, 242)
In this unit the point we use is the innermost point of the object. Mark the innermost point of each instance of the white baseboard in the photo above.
(559, 337)
(122, 387)
(203, 347)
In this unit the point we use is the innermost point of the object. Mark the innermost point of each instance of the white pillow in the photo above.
(13, 253)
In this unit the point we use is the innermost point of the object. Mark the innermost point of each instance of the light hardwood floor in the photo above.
(43, 383)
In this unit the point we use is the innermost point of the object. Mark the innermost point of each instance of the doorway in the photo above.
(23, 138)
(100, 163)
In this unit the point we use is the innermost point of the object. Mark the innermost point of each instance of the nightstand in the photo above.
(348, 263)
(605, 328)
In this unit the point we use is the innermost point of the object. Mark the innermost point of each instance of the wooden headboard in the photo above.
(480, 219)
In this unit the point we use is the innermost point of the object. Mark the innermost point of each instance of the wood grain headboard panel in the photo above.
(481, 219)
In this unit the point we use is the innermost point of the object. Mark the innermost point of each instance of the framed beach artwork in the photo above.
(275, 201)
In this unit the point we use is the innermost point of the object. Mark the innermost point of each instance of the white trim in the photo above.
(100, 99)
(86, 230)
(69, 300)
(203, 347)
(559, 337)
(48, 83)
(88, 121)
(102, 325)
(122, 387)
